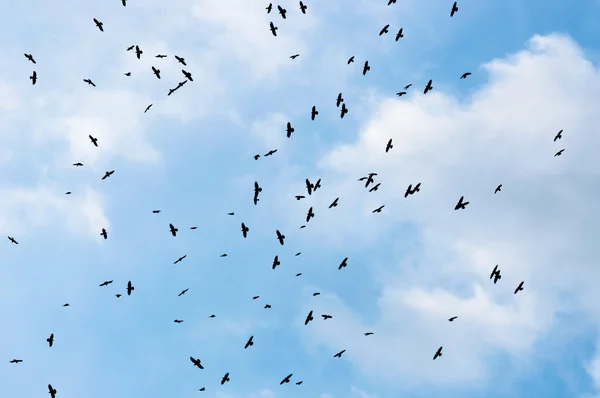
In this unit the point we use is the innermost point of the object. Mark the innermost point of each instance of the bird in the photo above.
(257, 190)
(30, 57)
(183, 292)
(294, 56)
(464, 75)
(461, 204)
(298, 274)
(181, 60)
(245, 230)
(93, 140)
(309, 214)
(225, 378)
(33, 77)
(50, 340)
(391, 2)
(66, 305)
(520, 287)
(130, 288)
(286, 379)
(384, 30)
(223, 255)
(108, 174)
(299, 382)
(117, 295)
(16, 361)
(10, 238)
(256, 157)
(104, 234)
(344, 110)
(280, 237)
(138, 52)
(231, 214)
(309, 318)
(399, 35)
(271, 152)
(407, 86)
(339, 354)
(196, 362)
(452, 319)
(269, 8)
(428, 87)
(350, 60)
(193, 227)
(255, 297)
(130, 48)
(276, 262)
(202, 389)
(495, 274)
(298, 197)
(368, 333)
(68, 193)
(454, 10)
(51, 391)
(105, 283)
(303, 8)
(178, 320)
(249, 342)
(378, 210)
(297, 254)
(282, 11)
(366, 68)
(317, 185)
(388, 146)
(343, 264)
(273, 29)
(90, 82)
(173, 230)
(401, 93)
(156, 72)
(187, 75)
(309, 186)
(289, 129)
(161, 56)
(559, 152)
(334, 203)
(155, 211)
(313, 112)
(326, 317)
(316, 294)
(375, 187)
(438, 353)
(124, 2)
(99, 25)
(148, 108)
(267, 306)
(78, 164)
(339, 100)
(558, 136)
(498, 189)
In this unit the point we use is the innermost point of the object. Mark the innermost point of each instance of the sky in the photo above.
(411, 267)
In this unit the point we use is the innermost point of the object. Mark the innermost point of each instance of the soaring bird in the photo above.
(51, 391)
(428, 87)
(303, 8)
(30, 57)
(464, 75)
(50, 340)
(520, 287)
(245, 230)
(130, 288)
(249, 342)
(339, 354)
(438, 353)
(33, 77)
(558, 136)
(99, 25)
(173, 230)
(196, 362)
(388, 146)
(454, 10)
(104, 234)
(498, 188)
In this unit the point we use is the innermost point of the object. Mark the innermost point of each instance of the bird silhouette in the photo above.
(303, 8)
(384, 30)
(452, 12)
(245, 230)
(225, 378)
(428, 87)
(399, 35)
(309, 318)
(249, 343)
(99, 25)
(130, 288)
(280, 237)
(461, 204)
(104, 234)
(51, 391)
(366, 68)
(558, 136)
(108, 174)
(498, 188)
(438, 353)
(273, 29)
(464, 75)
(50, 340)
(334, 203)
(173, 230)
(30, 57)
(520, 287)
(339, 354)
(196, 362)
(33, 77)
(286, 379)
(180, 259)
(10, 238)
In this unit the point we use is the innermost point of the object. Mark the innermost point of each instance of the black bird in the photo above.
(212, 316)
(343, 111)
(245, 230)
(286, 379)
(282, 11)
(309, 186)
(225, 378)
(303, 8)
(375, 188)
(30, 57)
(183, 292)
(178, 320)
(309, 318)
(310, 214)
(339, 100)
(33, 77)
(267, 306)
(428, 87)
(316, 294)
(130, 48)
(249, 342)
(276, 262)
(313, 112)
(181, 60)
(350, 60)
(130, 288)
(498, 188)
(452, 319)
(156, 72)
(138, 52)
(343, 264)
(105, 283)
(438, 353)
(368, 333)
(339, 354)
(50, 340)
(193, 227)
(66, 305)
(256, 157)
(16, 361)
(495, 274)
(117, 295)
(558, 136)
(280, 237)
(104, 233)
(454, 10)
(297, 254)
(99, 25)
(108, 174)
(51, 391)
(384, 30)
(294, 56)
(180, 259)
(273, 29)
(257, 190)
(317, 185)
(378, 210)
(187, 75)
(366, 68)
(173, 230)
(298, 274)
(401, 93)
(326, 317)
(255, 297)
(520, 287)
(10, 238)
(127, 74)
(271, 152)
(559, 152)
(148, 108)
(223, 255)
(196, 362)
(289, 129)
(94, 140)
(155, 211)
(334, 203)
(407, 86)
(298, 197)
(68, 193)
(399, 35)
(391, 2)
(124, 2)
(461, 204)
(416, 189)
(78, 164)
(464, 75)
(231, 214)
(388, 146)
(369, 179)
(269, 8)
(299, 382)
(90, 82)
(161, 56)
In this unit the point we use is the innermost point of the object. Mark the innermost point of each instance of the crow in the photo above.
(10, 238)
(282, 12)
(30, 57)
(181, 60)
(294, 56)
(156, 72)
(99, 25)
(245, 230)
(138, 52)
(378, 210)
(280, 237)
(16, 361)
(399, 35)
(429, 87)
(33, 77)
(90, 82)
(276, 262)
(104, 234)
(339, 354)
(106, 283)
(350, 60)
(249, 342)
(438, 353)
(313, 113)
(339, 100)
(78, 164)
(334, 203)
(343, 264)
(558, 136)
(130, 288)
(183, 292)
(461, 204)
(94, 140)
(559, 152)
(452, 319)
(196, 362)
(286, 379)
(108, 174)
(225, 378)
(51, 391)
(173, 230)
(309, 318)
(273, 29)
(344, 110)
(289, 129)
(454, 10)
(520, 287)
(50, 340)
(464, 75)
(384, 30)
(366, 68)
(498, 188)
(303, 8)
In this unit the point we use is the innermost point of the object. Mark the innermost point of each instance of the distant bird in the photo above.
(298, 197)
(33, 77)
(105, 283)
(316, 294)
(178, 320)
(428, 88)
(148, 108)
(498, 188)
(90, 82)
(438, 353)
(310, 214)
(108, 174)
(212, 316)
(124, 2)
(267, 306)
(309, 186)
(407, 86)
(30, 57)
(297, 254)
(282, 11)
(156, 72)
(339, 100)
(269, 8)
(51, 391)
(299, 382)
(271, 152)
(50, 340)
(303, 8)
(183, 292)
(78, 164)
(65, 304)
(94, 140)
(181, 60)
(559, 152)
(286, 379)
(384, 30)
(127, 74)
(294, 56)
(391, 2)
(193, 227)
(368, 333)
(130, 48)
(410, 190)
(334, 203)
(255, 297)
(99, 25)
(231, 214)
(225, 378)
(245, 230)
(16, 361)
(366, 68)
(155, 211)
(452, 319)
(273, 29)
(256, 157)
(117, 295)
(130, 288)
(313, 113)
(280, 237)
(399, 35)
(339, 354)
(326, 317)
(461, 204)
(388, 146)
(276, 262)
(161, 56)
(350, 60)
(173, 230)
(68, 193)
(223, 255)
(104, 234)
(454, 10)
(520, 287)
(298, 274)
(249, 342)
(138, 52)
(309, 318)
(378, 210)
(187, 75)
(289, 129)
(343, 264)
(344, 110)
(10, 238)
(495, 274)
(202, 389)
(317, 185)
(558, 136)
(180, 259)
(375, 187)
(401, 93)
(196, 362)
(464, 75)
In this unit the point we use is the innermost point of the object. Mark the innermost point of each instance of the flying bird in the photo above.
(368, 333)
(407, 86)
(428, 87)
(104, 234)
(178, 320)
(280, 237)
(127, 74)
(99, 25)
(225, 378)
(94, 140)
(289, 129)
(452, 319)
(343, 264)
(156, 72)
(187, 75)
(498, 189)
(269, 8)
(249, 342)
(138, 52)
(273, 29)
(108, 174)
(173, 230)
(30, 57)
(350, 60)
(454, 10)
(464, 75)
(326, 317)
(309, 318)
(313, 112)
(366, 68)
(496, 274)
(51, 391)
(401, 93)
(10, 238)
(558, 136)
(183, 292)
(378, 210)
(33, 77)
(245, 230)
(196, 362)
(438, 353)
(520, 287)
(16, 361)
(339, 354)
(271, 152)
(130, 288)
(388, 146)
(344, 110)
(294, 56)
(375, 187)
(286, 379)
(78, 164)
(276, 262)
(384, 30)
(310, 214)
(282, 12)
(50, 340)
(399, 35)
(559, 152)
(298, 197)
(339, 100)
(303, 8)
(181, 60)
(90, 82)
(105, 283)
(161, 56)
(461, 204)
(334, 203)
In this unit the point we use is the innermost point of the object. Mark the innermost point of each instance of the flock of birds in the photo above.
(310, 187)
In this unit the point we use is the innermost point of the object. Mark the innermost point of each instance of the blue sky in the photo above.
(410, 268)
